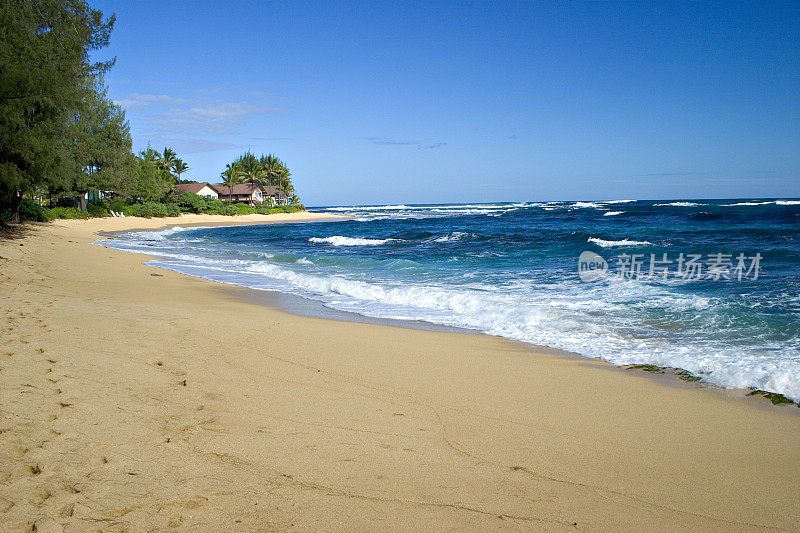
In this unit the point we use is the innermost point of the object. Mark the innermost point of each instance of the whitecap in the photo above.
(454, 236)
(338, 240)
(624, 242)
(745, 203)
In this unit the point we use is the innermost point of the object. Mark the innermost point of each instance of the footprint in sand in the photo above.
(5, 505)
(67, 511)
(39, 497)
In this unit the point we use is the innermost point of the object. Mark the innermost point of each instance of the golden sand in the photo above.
(134, 398)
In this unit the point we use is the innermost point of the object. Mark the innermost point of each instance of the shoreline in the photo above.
(669, 376)
(177, 404)
(302, 306)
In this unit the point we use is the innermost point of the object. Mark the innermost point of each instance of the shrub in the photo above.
(243, 209)
(68, 213)
(267, 210)
(98, 209)
(152, 209)
(30, 210)
(191, 203)
(227, 209)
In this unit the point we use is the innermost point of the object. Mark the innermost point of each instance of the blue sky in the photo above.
(422, 102)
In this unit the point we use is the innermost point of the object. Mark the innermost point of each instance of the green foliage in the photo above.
(166, 162)
(152, 209)
(267, 210)
(100, 145)
(265, 170)
(68, 213)
(179, 168)
(242, 209)
(152, 183)
(98, 209)
(190, 202)
(45, 74)
(30, 210)
(214, 206)
(228, 210)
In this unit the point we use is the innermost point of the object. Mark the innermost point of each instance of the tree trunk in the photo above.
(15, 218)
(82, 202)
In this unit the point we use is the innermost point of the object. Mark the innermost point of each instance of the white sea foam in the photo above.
(624, 242)
(775, 202)
(679, 204)
(454, 236)
(560, 316)
(600, 320)
(612, 213)
(338, 240)
(160, 234)
(596, 205)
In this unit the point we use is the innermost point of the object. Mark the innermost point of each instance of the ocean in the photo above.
(708, 286)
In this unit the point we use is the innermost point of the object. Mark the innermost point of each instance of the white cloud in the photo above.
(383, 141)
(194, 146)
(161, 115)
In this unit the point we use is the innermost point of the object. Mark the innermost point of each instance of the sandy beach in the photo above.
(137, 399)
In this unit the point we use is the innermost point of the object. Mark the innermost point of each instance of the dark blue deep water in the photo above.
(710, 286)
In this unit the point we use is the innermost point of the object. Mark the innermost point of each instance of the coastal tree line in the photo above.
(264, 170)
(61, 136)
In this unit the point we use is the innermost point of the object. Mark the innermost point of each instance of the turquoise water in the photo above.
(712, 287)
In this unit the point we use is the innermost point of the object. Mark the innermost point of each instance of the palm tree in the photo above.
(252, 171)
(166, 161)
(150, 155)
(179, 167)
(272, 168)
(277, 173)
(232, 175)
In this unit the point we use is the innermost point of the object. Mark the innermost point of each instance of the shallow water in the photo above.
(683, 287)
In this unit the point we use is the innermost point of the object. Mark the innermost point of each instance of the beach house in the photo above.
(201, 189)
(249, 193)
(275, 196)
